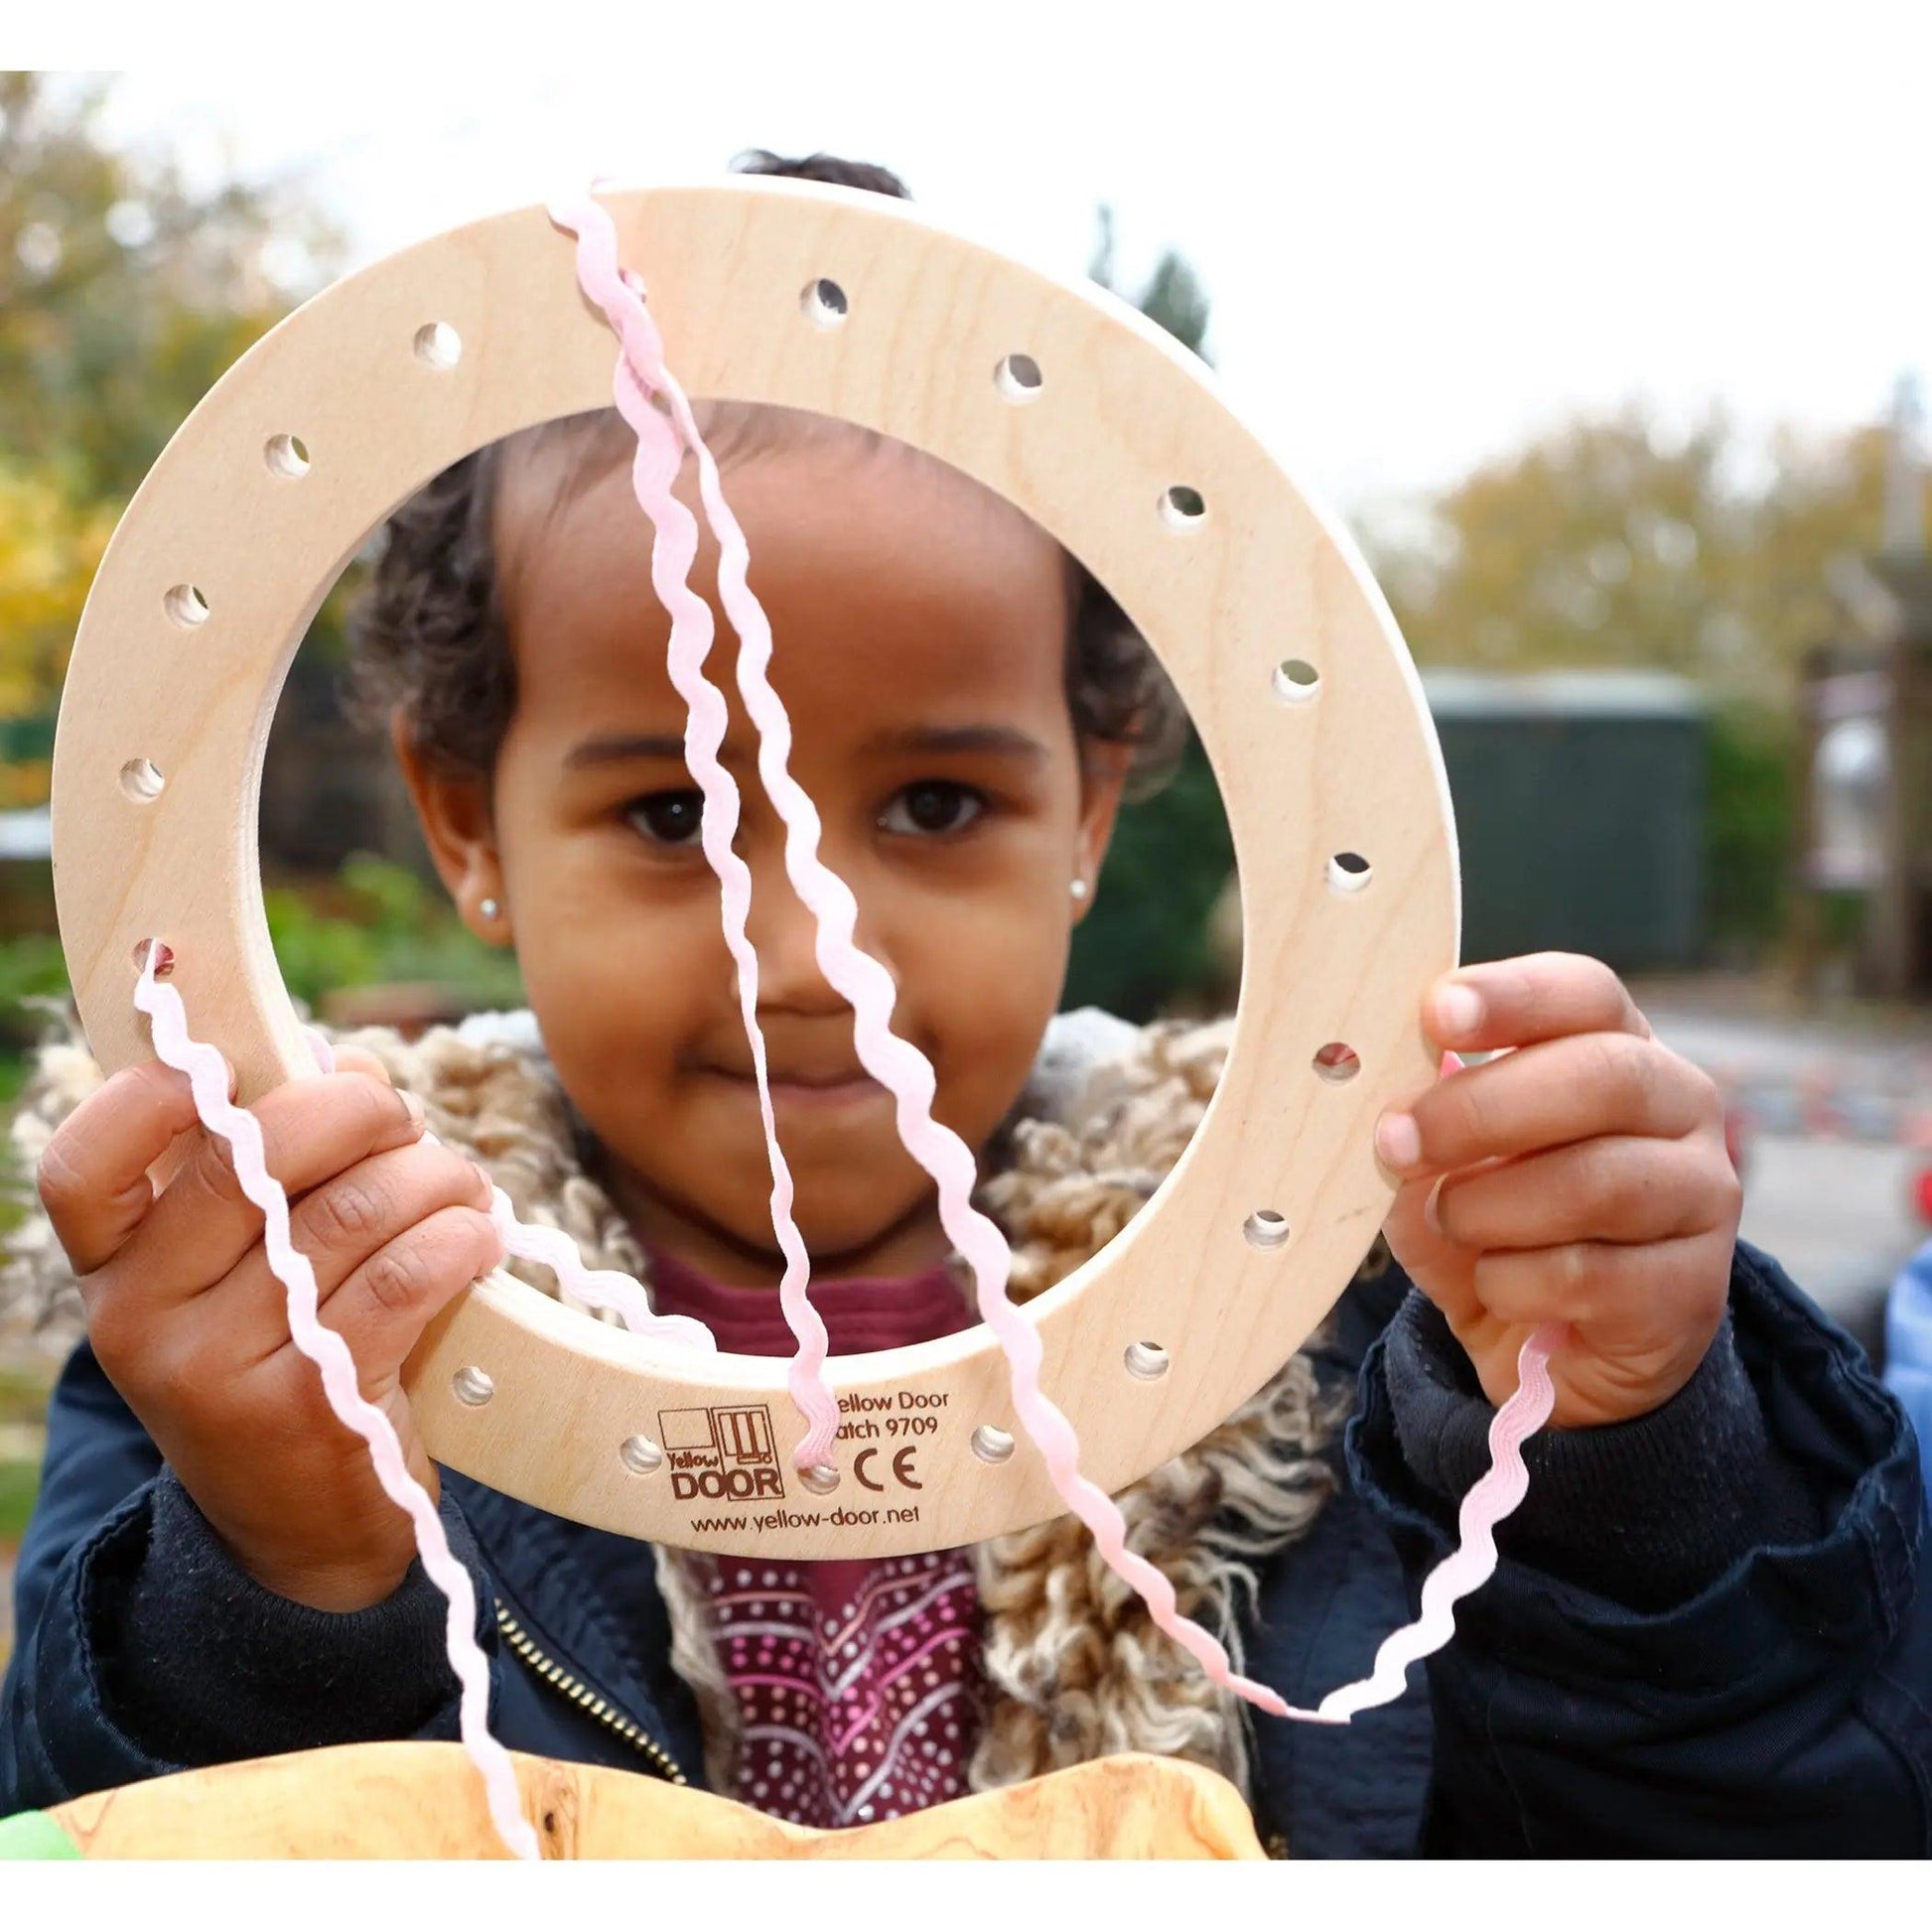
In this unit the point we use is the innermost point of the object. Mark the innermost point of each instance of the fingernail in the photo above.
(234, 1078)
(415, 1108)
(1398, 1140)
(1459, 1011)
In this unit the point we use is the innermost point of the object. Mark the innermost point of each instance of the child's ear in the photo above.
(458, 827)
(1104, 770)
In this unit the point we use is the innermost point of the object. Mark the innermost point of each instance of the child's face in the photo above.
(920, 629)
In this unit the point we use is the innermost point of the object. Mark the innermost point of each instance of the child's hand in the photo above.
(1581, 1177)
(192, 1326)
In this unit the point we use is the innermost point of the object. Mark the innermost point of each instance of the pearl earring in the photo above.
(489, 908)
(1080, 889)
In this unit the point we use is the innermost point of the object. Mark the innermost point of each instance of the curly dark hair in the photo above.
(428, 635)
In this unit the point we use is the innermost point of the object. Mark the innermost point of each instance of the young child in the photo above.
(1708, 1633)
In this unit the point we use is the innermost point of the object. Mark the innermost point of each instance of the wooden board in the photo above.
(1122, 415)
(424, 1801)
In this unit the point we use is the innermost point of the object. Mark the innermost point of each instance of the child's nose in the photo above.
(785, 937)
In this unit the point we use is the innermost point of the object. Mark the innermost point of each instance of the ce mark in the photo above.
(901, 1468)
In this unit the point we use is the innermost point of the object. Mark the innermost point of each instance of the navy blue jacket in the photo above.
(1708, 1636)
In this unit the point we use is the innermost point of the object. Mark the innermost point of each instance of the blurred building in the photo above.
(1866, 791)
(1580, 802)
(1867, 759)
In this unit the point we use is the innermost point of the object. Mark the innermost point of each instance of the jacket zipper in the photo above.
(581, 1695)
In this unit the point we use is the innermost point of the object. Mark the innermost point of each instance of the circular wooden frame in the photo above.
(1110, 436)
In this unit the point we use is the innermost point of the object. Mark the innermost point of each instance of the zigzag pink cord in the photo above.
(674, 548)
(908, 1076)
(596, 1288)
(209, 1079)
(1471, 1564)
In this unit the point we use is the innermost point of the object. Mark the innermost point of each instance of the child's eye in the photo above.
(668, 817)
(932, 807)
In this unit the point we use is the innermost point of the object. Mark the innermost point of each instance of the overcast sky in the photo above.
(1427, 229)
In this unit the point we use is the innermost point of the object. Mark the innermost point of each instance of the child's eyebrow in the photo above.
(998, 741)
(1001, 741)
(613, 746)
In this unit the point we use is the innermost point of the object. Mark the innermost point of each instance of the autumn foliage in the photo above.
(125, 293)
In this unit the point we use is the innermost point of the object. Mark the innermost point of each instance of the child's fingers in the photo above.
(357, 1227)
(1546, 1095)
(93, 1174)
(384, 1306)
(1441, 1268)
(1617, 1187)
(1518, 1002)
(312, 1130)
(1665, 1293)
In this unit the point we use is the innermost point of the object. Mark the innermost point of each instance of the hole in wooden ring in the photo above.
(1349, 871)
(163, 957)
(186, 605)
(1017, 377)
(1266, 1229)
(437, 346)
(286, 456)
(639, 1455)
(820, 1479)
(1295, 680)
(1182, 507)
(141, 779)
(472, 1386)
(824, 303)
(1146, 1360)
(992, 1444)
(1337, 1061)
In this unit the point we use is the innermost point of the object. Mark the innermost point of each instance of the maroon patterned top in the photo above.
(857, 1683)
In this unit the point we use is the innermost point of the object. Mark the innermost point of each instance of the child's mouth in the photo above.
(800, 1093)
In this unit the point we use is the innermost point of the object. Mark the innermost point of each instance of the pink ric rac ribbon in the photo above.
(207, 1079)
(674, 548)
(901, 1067)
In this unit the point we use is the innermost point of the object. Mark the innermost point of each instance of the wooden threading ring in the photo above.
(1108, 435)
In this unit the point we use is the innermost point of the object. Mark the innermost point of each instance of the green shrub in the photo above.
(396, 929)
(400, 929)
(1144, 944)
(1749, 822)
(32, 966)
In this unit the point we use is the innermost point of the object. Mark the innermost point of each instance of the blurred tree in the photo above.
(124, 294)
(1607, 542)
(1174, 296)
(49, 549)
(1143, 946)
